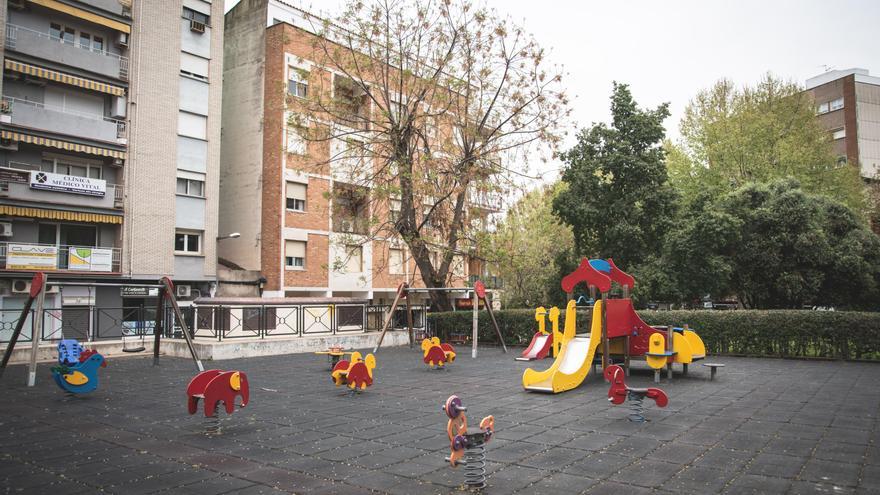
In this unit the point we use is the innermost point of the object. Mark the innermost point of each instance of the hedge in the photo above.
(778, 333)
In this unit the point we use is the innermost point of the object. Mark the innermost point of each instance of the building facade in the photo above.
(109, 152)
(286, 195)
(848, 105)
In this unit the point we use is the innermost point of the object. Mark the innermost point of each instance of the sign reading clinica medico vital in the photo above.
(48, 181)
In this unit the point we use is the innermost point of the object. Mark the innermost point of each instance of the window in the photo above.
(191, 187)
(836, 104)
(98, 44)
(295, 142)
(354, 259)
(192, 125)
(55, 31)
(194, 66)
(396, 264)
(295, 254)
(64, 167)
(838, 134)
(297, 82)
(187, 242)
(429, 223)
(394, 210)
(296, 196)
(192, 15)
(822, 108)
(68, 35)
(85, 41)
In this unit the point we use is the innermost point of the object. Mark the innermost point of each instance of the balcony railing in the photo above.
(485, 199)
(44, 45)
(63, 120)
(492, 282)
(53, 257)
(350, 225)
(15, 184)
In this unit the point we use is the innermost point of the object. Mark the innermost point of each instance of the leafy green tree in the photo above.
(776, 246)
(618, 201)
(732, 136)
(525, 246)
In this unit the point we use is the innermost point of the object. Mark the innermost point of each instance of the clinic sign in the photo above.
(47, 181)
(31, 257)
(86, 259)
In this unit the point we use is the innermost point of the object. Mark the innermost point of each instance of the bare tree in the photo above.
(424, 106)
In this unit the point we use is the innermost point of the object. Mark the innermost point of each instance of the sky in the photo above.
(668, 51)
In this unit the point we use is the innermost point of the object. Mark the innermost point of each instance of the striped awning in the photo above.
(64, 145)
(61, 77)
(83, 14)
(73, 216)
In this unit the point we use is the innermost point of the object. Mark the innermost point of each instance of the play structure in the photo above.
(467, 443)
(479, 294)
(437, 355)
(37, 295)
(77, 370)
(356, 373)
(616, 332)
(620, 392)
(213, 387)
(543, 342)
(334, 354)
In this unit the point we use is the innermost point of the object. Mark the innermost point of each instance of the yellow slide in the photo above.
(575, 358)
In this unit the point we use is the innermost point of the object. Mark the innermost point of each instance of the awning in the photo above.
(83, 14)
(61, 77)
(73, 216)
(64, 145)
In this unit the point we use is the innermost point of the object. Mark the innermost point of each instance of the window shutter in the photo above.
(296, 191)
(296, 249)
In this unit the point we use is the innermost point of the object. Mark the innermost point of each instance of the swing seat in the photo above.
(134, 349)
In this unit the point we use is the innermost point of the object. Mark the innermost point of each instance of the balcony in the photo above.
(485, 199)
(60, 120)
(48, 257)
(492, 282)
(44, 46)
(15, 185)
(348, 225)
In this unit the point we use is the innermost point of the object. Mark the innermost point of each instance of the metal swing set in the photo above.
(37, 295)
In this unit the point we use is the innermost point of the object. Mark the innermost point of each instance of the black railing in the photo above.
(94, 323)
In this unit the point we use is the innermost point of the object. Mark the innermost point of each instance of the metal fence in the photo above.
(92, 323)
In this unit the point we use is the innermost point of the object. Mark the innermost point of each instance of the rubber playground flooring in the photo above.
(763, 426)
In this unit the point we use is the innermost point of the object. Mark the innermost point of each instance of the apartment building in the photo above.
(848, 105)
(303, 223)
(109, 152)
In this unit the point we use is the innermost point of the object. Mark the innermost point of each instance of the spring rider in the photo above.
(469, 443)
(213, 387)
(77, 370)
(620, 392)
(436, 355)
(356, 373)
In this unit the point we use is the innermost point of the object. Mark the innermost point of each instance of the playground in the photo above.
(761, 426)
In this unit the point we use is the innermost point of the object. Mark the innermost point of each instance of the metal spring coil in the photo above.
(475, 469)
(636, 407)
(212, 423)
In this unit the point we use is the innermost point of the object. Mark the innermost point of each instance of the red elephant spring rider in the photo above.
(467, 442)
(214, 386)
(620, 392)
(436, 355)
(356, 373)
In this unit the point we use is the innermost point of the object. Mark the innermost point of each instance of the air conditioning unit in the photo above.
(17, 4)
(196, 26)
(8, 144)
(182, 290)
(5, 229)
(122, 39)
(24, 287)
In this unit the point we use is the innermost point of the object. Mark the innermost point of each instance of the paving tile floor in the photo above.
(763, 426)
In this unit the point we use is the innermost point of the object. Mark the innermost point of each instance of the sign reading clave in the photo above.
(48, 181)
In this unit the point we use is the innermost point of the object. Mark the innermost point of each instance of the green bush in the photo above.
(779, 333)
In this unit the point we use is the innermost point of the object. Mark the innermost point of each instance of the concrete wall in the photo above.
(242, 146)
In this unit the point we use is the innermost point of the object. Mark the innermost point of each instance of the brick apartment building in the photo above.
(109, 154)
(848, 106)
(284, 193)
